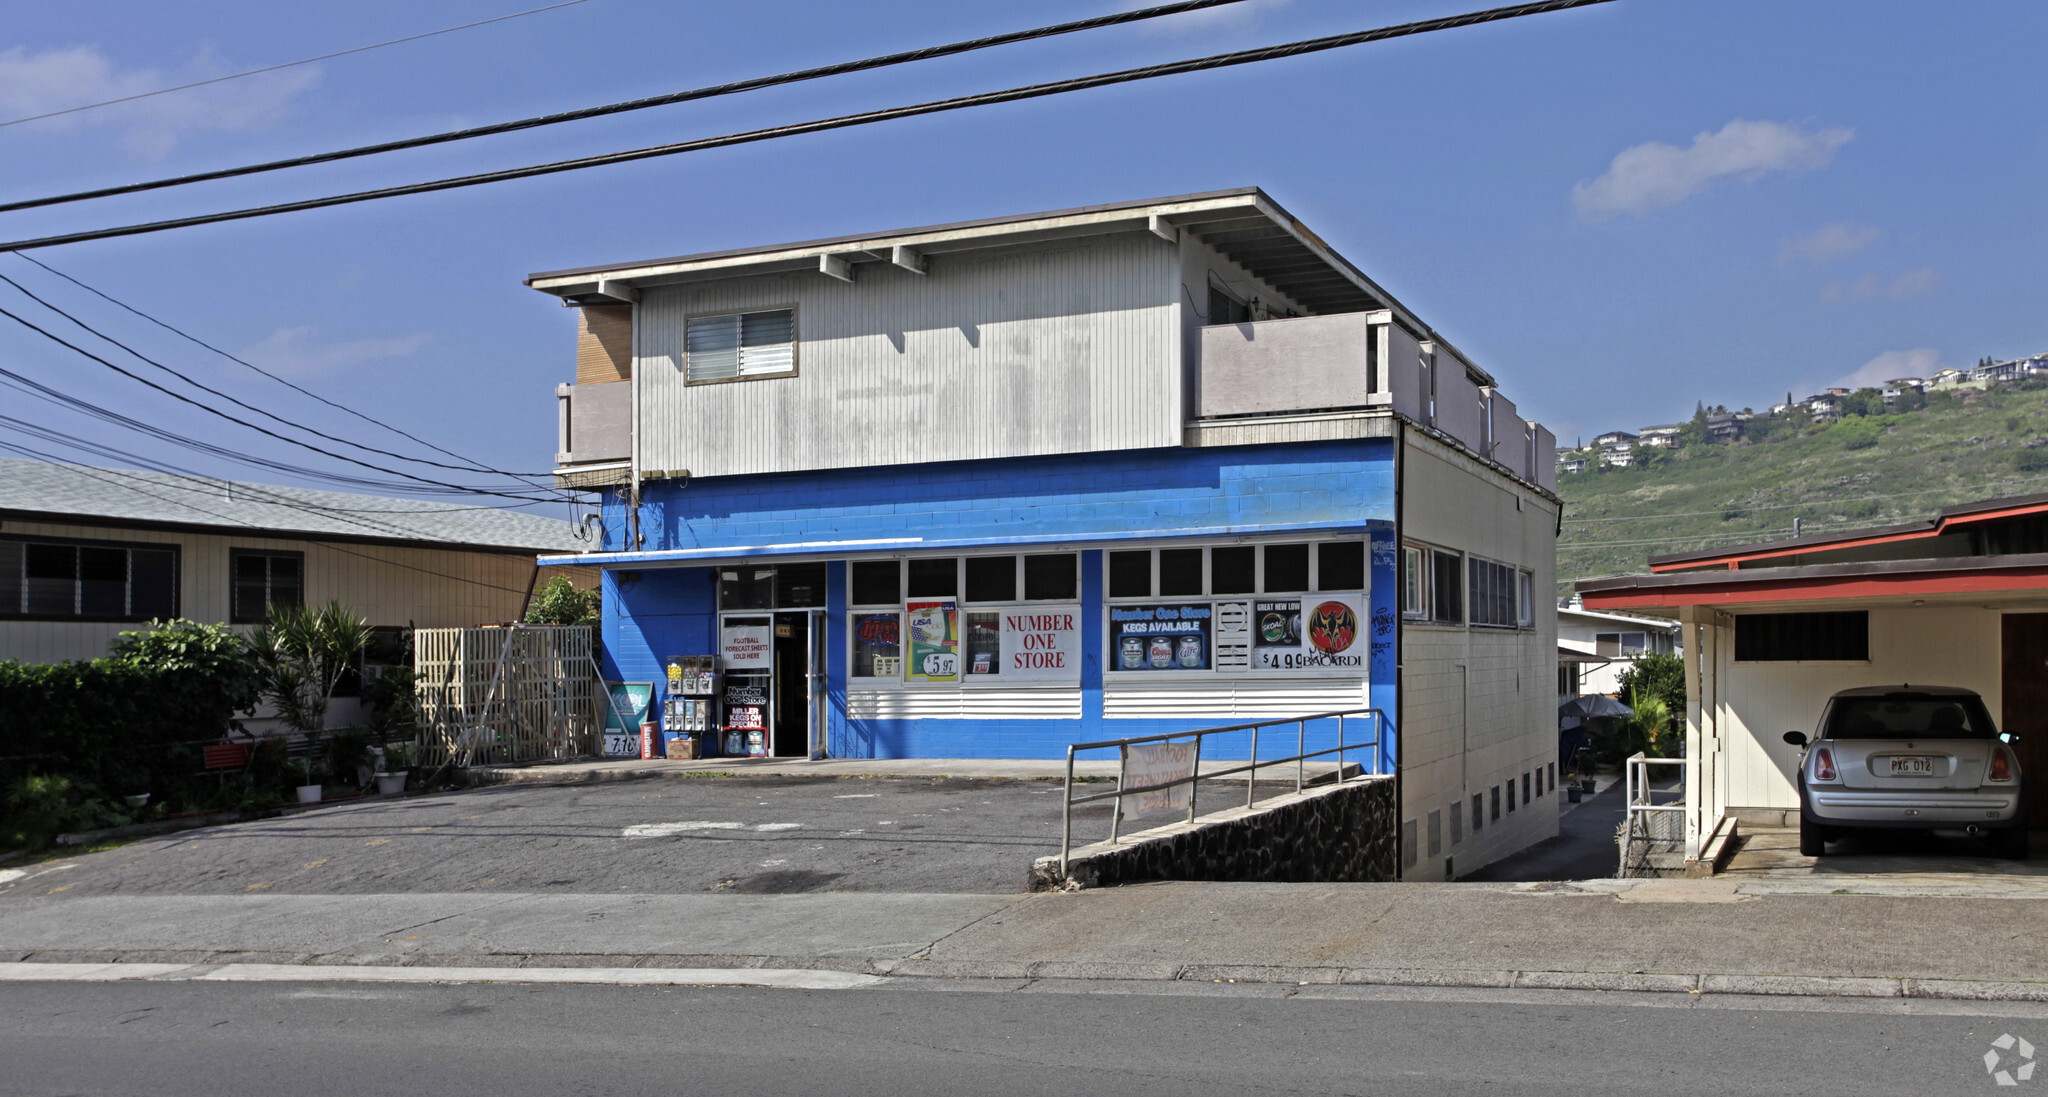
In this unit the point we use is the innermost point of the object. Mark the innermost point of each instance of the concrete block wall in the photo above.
(1478, 705)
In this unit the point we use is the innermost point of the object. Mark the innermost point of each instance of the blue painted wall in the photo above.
(1138, 492)
(1338, 486)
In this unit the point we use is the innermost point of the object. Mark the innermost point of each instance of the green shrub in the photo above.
(558, 602)
(2031, 460)
(129, 723)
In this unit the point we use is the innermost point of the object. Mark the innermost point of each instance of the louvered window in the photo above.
(103, 581)
(740, 344)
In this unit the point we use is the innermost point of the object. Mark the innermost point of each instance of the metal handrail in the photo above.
(1636, 793)
(1250, 769)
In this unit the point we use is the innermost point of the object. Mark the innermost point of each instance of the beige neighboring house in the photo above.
(1595, 648)
(87, 553)
(1772, 630)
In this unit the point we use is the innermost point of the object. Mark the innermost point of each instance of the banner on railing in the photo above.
(1156, 764)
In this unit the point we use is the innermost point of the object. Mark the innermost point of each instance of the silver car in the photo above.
(1918, 757)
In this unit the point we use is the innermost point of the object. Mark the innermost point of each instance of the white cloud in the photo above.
(1918, 362)
(1244, 13)
(1828, 243)
(1883, 287)
(146, 129)
(298, 351)
(1652, 174)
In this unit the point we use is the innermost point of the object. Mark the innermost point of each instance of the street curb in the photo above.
(916, 968)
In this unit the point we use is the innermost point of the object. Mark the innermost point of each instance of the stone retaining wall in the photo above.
(1332, 834)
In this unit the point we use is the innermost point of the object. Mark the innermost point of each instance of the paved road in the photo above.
(754, 834)
(174, 1039)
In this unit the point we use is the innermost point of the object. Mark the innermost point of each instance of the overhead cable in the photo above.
(288, 64)
(1011, 95)
(139, 356)
(732, 88)
(61, 341)
(115, 453)
(180, 333)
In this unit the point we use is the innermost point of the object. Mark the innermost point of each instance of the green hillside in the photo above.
(1862, 471)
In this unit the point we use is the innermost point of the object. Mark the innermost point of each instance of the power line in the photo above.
(287, 64)
(139, 356)
(101, 449)
(61, 341)
(1011, 95)
(117, 302)
(37, 389)
(735, 87)
(9, 379)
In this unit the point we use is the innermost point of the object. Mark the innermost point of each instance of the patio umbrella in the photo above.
(1593, 704)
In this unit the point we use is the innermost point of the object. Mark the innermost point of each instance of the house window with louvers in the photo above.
(740, 344)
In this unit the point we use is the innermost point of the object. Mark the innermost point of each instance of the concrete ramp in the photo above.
(1338, 833)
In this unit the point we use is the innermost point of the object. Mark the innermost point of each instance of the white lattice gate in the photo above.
(521, 694)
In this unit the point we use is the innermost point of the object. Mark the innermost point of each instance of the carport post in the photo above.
(1699, 634)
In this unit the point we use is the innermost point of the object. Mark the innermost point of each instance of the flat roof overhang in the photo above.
(1244, 224)
(2002, 581)
(1946, 520)
(897, 546)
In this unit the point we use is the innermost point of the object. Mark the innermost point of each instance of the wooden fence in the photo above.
(495, 695)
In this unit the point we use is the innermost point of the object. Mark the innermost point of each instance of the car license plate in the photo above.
(1912, 767)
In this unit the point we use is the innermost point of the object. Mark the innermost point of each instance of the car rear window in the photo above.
(1909, 718)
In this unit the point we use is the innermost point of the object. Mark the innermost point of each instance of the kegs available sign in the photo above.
(1159, 637)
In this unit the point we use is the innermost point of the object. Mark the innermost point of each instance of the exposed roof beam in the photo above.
(1160, 227)
(836, 267)
(618, 291)
(907, 258)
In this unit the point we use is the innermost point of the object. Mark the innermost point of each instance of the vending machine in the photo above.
(689, 715)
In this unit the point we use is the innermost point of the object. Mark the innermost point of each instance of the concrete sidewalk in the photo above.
(1684, 936)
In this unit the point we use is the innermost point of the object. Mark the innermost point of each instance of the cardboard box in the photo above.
(681, 746)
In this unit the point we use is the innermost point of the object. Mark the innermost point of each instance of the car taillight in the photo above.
(1823, 764)
(2001, 764)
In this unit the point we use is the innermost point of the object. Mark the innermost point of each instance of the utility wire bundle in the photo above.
(526, 488)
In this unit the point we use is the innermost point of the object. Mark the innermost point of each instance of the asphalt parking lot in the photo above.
(737, 834)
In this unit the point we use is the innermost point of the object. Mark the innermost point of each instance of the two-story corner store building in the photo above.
(987, 489)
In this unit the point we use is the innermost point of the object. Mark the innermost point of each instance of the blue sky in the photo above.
(1618, 211)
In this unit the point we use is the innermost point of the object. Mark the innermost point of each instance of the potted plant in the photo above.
(397, 763)
(304, 653)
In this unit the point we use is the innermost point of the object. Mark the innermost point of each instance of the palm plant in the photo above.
(1652, 727)
(304, 654)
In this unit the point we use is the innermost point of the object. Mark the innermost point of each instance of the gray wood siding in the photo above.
(388, 584)
(1064, 349)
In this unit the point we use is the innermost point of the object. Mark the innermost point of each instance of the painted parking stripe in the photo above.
(786, 978)
(670, 830)
(85, 973)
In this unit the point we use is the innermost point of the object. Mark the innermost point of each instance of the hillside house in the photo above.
(1614, 438)
(1661, 437)
(991, 488)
